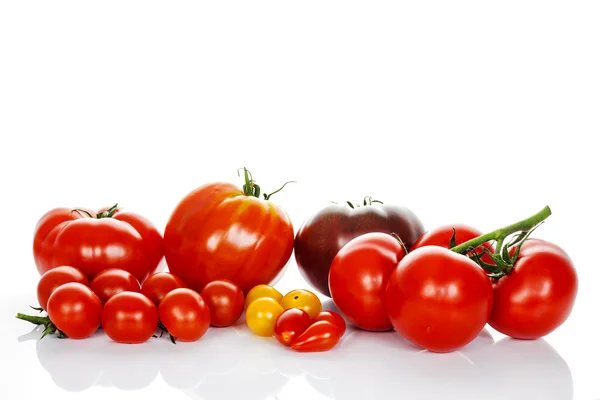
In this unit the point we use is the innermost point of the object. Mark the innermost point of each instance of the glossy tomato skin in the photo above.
(75, 310)
(322, 235)
(438, 300)
(358, 279)
(319, 336)
(302, 299)
(129, 317)
(128, 241)
(225, 300)
(159, 284)
(291, 324)
(56, 277)
(216, 232)
(332, 317)
(112, 281)
(185, 314)
(539, 293)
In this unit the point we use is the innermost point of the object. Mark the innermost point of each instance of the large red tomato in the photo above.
(358, 279)
(322, 235)
(93, 242)
(220, 231)
(537, 296)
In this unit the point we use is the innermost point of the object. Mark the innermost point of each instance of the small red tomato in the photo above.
(56, 277)
(129, 317)
(291, 324)
(225, 301)
(320, 336)
(159, 284)
(185, 314)
(332, 317)
(113, 281)
(75, 310)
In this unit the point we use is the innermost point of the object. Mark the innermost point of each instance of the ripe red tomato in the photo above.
(219, 232)
(438, 299)
(56, 277)
(75, 310)
(95, 242)
(113, 281)
(129, 317)
(159, 284)
(290, 324)
(332, 317)
(320, 336)
(322, 235)
(358, 277)
(538, 294)
(225, 300)
(185, 314)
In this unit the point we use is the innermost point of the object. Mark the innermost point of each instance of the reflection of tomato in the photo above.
(75, 310)
(290, 324)
(56, 277)
(358, 277)
(225, 300)
(260, 291)
(302, 299)
(129, 317)
(185, 314)
(112, 281)
(538, 294)
(261, 316)
(159, 284)
(320, 336)
(220, 232)
(93, 242)
(438, 300)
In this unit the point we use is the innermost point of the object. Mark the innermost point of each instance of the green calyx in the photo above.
(251, 188)
(49, 327)
(367, 201)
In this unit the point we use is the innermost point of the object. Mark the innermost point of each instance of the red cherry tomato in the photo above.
(129, 317)
(113, 281)
(438, 299)
(185, 314)
(358, 277)
(538, 294)
(332, 317)
(291, 324)
(56, 277)
(225, 300)
(320, 336)
(159, 284)
(75, 310)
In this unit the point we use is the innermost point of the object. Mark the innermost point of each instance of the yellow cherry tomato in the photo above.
(260, 291)
(262, 314)
(304, 300)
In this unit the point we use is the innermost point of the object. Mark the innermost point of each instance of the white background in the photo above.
(463, 111)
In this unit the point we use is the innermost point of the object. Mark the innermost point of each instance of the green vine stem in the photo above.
(367, 201)
(251, 188)
(49, 327)
(108, 213)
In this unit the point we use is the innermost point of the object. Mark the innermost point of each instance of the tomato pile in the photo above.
(226, 246)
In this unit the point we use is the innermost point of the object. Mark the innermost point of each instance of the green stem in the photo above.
(250, 187)
(34, 319)
(108, 213)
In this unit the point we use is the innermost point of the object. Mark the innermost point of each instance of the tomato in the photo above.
(159, 284)
(55, 278)
(75, 310)
(304, 300)
(538, 295)
(185, 314)
(225, 301)
(332, 317)
(290, 324)
(438, 300)
(358, 277)
(260, 291)
(219, 231)
(320, 336)
(122, 240)
(262, 315)
(129, 317)
(113, 281)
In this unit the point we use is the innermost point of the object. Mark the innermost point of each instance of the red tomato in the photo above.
(185, 314)
(113, 281)
(129, 317)
(320, 336)
(218, 232)
(159, 284)
(358, 277)
(75, 310)
(55, 278)
(225, 300)
(332, 317)
(124, 240)
(438, 299)
(538, 294)
(290, 324)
